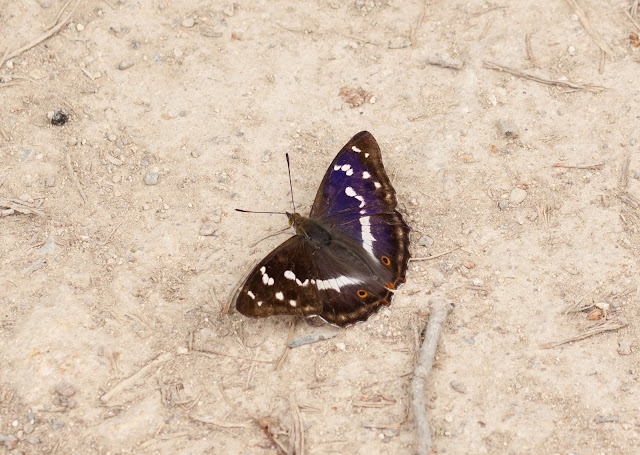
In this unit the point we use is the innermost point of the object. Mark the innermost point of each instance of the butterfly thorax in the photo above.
(310, 228)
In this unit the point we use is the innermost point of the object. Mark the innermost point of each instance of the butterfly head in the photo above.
(294, 219)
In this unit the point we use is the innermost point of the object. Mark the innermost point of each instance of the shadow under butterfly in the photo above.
(347, 257)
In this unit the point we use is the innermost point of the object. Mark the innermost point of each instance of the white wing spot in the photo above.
(279, 296)
(367, 238)
(366, 155)
(361, 199)
(289, 275)
(303, 284)
(337, 283)
(345, 167)
(350, 192)
(292, 303)
(365, 175)
(270, 283)
(349, 172)
(259, 302)
(265, 278)
(377, 185)
(263, 269)
(251, 294)
(336, 167)
(355, 149)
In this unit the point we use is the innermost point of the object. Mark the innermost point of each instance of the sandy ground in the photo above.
(120, 284)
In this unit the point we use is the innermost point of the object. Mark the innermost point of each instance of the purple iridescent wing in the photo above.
(356, 199)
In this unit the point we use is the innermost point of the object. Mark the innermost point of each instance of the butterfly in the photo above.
(347, 257)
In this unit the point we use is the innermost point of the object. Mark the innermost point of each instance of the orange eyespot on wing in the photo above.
(385, 260)
(362, 293)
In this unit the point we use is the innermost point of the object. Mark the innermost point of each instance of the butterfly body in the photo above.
(348, 255)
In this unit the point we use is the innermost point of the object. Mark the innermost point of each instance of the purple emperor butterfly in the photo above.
(347, 257)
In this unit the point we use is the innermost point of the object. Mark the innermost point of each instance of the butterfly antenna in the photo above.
(253, 211)
(282, 231)
(290, 184)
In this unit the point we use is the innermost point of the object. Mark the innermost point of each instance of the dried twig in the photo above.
(265, 423)
(436, 256)
(296, 436)
(42, 37)
(444, 61)
(634, 8)
(220, 423)
(632, 19)
(630, 199)
(438, 316)
(134, 378)
(601, 327)
(16, 205)
(74, 178)
(283, 356)
(531, 77)
(532, 58)
(418, 23)
(209, 353)
(595, 35)
(55, 20)
(596, 166)
(624, 173)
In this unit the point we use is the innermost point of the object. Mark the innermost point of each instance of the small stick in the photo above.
(444, 61)
(55, 21)
(486, 29)
(4, 57)
(74, 178)
(113, 231)
(219, 423)
(418, 23)
(134, 378)
(44, 36)
(532, 58)
(436, 256)
(628, 15)
(624, 173)
(438, 316)
(595, 35)
(264, 424)
(602, 327)
(531, 77)
(596, 166)
(292, 328)
(296, 439)
(206, 353)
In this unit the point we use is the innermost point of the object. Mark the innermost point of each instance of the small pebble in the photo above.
(80, 27)
(60, 117)
(9, 64)
(195, 153)
(571, 50)
(341, 346)
(177, 52)
(477, 282)
(448, 419)
(182, 350)
(33, 440)
(458, 386)
(125, 64)
(151, 178)
(624, 347)
(65, 389)
(517, 196)
(503, 204)
(266, 155)
(425, 240)
(188, 22)
(112, 137)
(56, 425)
(208, 228)
(146, 206)
(45, 4)
(28, 428)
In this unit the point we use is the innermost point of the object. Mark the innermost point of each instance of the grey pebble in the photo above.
(503, 204)
(458, 386)
(517, 196)
(124, 65)
(425, 240)
(310, 338)
(188, 22)
(507, 128)
(195, 153)
(606, 419)
(28, 428)
(65, 389)
(208, 228)
(33, 440)
(56, 424)
(151, 178)
(266, 155)
(624, 347)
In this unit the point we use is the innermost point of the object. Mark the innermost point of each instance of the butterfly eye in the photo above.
(385, 260)
(362, 293)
